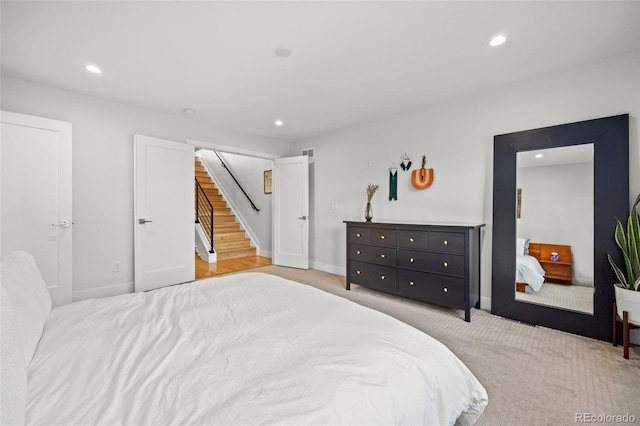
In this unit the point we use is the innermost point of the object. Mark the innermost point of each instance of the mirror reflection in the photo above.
(554, 227)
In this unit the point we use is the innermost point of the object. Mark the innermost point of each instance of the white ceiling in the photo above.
(352, 61)
(573, 154)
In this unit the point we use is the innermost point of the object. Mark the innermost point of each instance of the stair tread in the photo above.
(232, 245)
(237, 254)
(230, 235)
(227, 227)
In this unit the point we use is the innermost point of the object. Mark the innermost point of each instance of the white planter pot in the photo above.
(628, 300)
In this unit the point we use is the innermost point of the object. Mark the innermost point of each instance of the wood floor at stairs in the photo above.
(229, 239)
(205, 270)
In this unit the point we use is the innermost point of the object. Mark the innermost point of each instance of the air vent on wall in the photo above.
(309, 152)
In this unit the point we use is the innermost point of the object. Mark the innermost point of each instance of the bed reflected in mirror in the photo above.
(555, 227)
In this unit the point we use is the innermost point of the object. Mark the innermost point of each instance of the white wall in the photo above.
(557, 208)
(249, 171)
(457, 138)
(103, 172)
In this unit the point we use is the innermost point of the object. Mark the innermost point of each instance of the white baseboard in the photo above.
(485, 303)
(264, 253)
(332, 269)
(100, 292)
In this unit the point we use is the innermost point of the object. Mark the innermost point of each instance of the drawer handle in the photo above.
(383, 256)
(411, 260)
(445, 242)
(445, 290)
(445, 264)
(357, 251)
(411, 239)
(382, 277)
(382, 237)
(358, 272)
(411, 283)
(358, 235)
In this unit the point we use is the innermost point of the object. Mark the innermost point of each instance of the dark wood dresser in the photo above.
(432, 263)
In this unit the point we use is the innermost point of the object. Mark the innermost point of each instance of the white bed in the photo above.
(529, 271)
(241, 349)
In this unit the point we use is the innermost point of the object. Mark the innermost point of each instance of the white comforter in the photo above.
(242, 349)
(529, 270)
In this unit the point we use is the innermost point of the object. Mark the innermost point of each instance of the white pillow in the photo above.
(13, 371)
(522, 246)
(21, 279)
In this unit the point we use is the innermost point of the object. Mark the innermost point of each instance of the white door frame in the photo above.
(300, 260)
(231, 149)
(59, 279)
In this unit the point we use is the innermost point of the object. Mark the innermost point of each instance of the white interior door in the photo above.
(35, 155)
(291, 212)
(163, 213)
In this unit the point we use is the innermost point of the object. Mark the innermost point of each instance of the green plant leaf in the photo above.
(633, 231)
(621, 240)
(619, 274)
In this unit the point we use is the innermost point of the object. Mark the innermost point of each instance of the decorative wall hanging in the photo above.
(393, 183)
(518, 202)
(422, 178)
(368, 212)
(267, 181)
(406, 162)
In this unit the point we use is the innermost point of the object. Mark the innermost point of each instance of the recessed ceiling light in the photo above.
(539, 155)
(279, 123)
(282, 52)
(189, 111)
(94, 69)
(497, 40)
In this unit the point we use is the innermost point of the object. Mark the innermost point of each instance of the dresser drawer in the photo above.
(384, 237)
(431, 287)
(358, 235)
(432, 262)
(413, 239)
(379, 255)
(374, 276)
(450, 242)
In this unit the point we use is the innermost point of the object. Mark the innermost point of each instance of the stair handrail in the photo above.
(199, 194)
(224, 166)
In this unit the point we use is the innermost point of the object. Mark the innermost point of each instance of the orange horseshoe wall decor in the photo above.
(422, 178)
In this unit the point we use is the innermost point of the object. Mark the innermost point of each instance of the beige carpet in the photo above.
(533, 375)
(574, 297)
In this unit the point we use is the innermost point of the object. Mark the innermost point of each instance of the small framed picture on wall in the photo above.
(267, 181)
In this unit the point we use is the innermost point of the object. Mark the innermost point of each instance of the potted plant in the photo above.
(628, 289)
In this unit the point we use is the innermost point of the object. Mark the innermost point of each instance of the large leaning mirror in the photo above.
(556, 193)
(554, 227)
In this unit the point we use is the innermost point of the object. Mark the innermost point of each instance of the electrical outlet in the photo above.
(117, 266)
(334, 205)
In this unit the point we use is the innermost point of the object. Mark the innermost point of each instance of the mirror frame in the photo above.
(610, 138)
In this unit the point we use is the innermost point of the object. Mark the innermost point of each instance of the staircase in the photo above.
(229, 239)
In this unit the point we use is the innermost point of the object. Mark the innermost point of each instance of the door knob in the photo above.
(303, 217)
(143, 221)
(62, 224)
